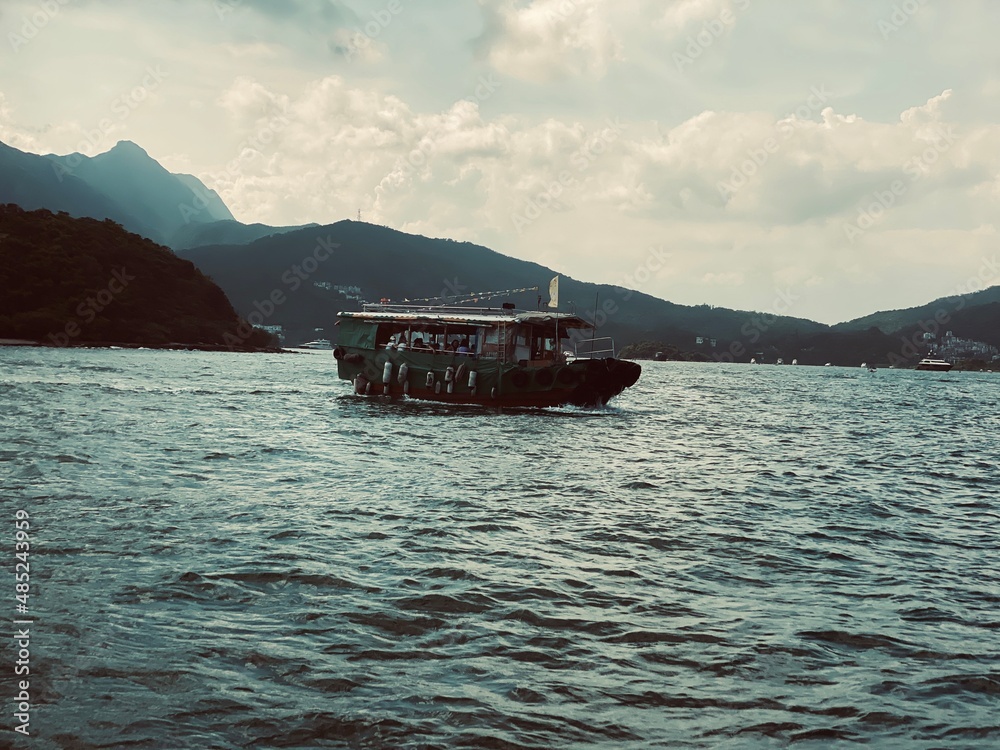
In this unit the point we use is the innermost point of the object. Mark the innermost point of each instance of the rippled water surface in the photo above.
(232, 551)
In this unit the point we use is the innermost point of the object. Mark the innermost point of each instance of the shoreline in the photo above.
(173, 346)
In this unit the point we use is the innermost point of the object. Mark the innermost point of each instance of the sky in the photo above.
(824, 159)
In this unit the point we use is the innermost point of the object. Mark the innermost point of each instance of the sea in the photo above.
(234, 551)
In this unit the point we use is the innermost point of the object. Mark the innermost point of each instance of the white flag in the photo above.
(554, 292)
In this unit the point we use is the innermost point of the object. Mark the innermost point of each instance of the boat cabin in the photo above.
(532, 339)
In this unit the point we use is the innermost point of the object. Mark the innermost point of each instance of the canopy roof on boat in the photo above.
(470, 317)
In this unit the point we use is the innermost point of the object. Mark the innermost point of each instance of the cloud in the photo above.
(548, 39)
(732, 278)
(289, 11)
(681, 13)
(571, 138)
(568, 192)
(10, 132)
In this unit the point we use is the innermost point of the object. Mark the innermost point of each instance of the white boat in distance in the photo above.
(937, 365)
(322, 344)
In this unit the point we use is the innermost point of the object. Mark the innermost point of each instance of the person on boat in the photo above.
(463, 348)
(454, 345)
(418, 344)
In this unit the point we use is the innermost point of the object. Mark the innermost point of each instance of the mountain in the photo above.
(225, 233)
(937, 314)
(129, 187)
(66, 280)
(155, 200)
(257, 264)
(33, 181)
(978, 323)
(302, 268)
(292, 280)
(213, 203)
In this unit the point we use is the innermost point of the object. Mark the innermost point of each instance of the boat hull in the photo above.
(448, 378)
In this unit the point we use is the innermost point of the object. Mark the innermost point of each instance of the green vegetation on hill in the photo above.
(980, 322)
(940, 315)
(69, 281)
(385, 263)
(226, 232)
(662, 351)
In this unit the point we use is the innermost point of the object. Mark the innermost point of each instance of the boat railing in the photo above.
(594, 348)
(458, 309)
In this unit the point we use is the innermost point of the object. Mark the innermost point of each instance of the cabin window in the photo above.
(430, 338)
(385, 333)
(522, 344)
(490, 342)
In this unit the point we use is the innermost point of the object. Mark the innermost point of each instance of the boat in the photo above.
(780, 361)
(321, 344)
(937, 365)
(487, 356)
(795, 361)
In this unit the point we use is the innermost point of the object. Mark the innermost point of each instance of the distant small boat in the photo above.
(936, 365)
(323, 344)
(795, 361)
(828, 364)
(753, 361)
(780, 361)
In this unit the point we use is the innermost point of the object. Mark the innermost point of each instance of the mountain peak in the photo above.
(129, 145)
(128, 148)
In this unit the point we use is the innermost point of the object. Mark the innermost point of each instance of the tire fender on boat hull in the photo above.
(544, 377)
